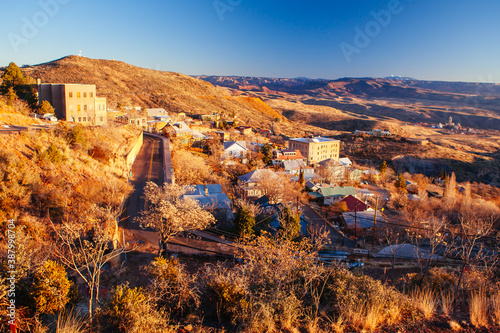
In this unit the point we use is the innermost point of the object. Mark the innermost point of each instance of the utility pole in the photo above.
(356, 220)
(374, 223)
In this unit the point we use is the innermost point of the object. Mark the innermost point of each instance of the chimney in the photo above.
(206, 189)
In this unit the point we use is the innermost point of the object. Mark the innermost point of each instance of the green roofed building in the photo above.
(334, 194)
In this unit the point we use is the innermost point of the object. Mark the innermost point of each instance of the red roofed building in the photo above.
(279, 156)
(354, 204)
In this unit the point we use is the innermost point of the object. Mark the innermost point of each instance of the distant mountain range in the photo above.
(397, 99)
(302, 84)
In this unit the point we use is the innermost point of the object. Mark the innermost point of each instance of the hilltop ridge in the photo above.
(128, 85)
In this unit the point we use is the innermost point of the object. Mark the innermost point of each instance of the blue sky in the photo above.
(426, 39)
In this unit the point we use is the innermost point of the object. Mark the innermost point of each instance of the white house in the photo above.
(235, 149)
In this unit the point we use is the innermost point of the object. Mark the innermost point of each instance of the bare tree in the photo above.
(429, 237)
(87, 246)
(472, 249)
(333, 172)
(278, 188)
(169, 214)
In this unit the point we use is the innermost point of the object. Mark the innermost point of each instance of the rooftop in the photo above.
(316, 139)
(338, 191)
(228, 144)
(256, 175)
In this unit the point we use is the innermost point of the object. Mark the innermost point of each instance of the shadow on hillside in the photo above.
(481, 171)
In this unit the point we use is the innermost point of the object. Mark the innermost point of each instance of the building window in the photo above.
(70, 95)
(85, 107)
(78, 95)
(91, 94)
(79, 107)
(84, 95)
(79, 119)
(101, 119)
(84, 118)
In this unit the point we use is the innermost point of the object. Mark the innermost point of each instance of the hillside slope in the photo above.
(135, 86)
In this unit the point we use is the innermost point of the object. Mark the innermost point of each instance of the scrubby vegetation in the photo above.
(63, 188)
(48, 177)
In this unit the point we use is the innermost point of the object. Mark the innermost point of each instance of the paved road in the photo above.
(148, 166)
(154, 163)
(18, 129)
(168, 166)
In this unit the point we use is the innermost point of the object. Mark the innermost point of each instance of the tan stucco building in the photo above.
(316, 149)
(76, 103)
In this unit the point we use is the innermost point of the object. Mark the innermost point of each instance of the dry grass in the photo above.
(339, 325)
(447, 301)
(478, 309)
(370, 316)
(495, 308)
(69, 322)
(425, 301)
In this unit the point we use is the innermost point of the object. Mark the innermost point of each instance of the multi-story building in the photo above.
(280, 156)
(76, 103)
(316, 149)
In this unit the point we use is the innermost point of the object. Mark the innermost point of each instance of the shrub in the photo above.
(131, 311)
(437, 279)
(362, 302)
(51, 288)
(16, 182)
(279, 286)
(101, 153)
(52, 154)
(230, 299)
(171, 288)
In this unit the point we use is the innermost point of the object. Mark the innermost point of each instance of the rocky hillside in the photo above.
(127, 85)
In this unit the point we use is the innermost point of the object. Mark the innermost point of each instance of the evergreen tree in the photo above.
(11, 96)
(12, 77)
(244, 222)
(302, 180)
(401, 182)
(267, 151)
(383, 168)
(45, 108)
(289, 224)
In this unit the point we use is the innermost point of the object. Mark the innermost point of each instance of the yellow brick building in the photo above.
(76, 103)
(316, 149)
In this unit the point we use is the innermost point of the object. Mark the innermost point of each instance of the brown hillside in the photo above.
(134, 86)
